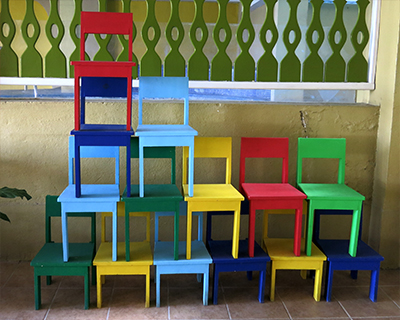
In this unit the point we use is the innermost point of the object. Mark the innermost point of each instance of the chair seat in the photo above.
(164, 254)
(91, 193)
(325, 191)
(102, 129)
(220, 251)
(51, 255)
(157, 191)
(140, 252)
(282, 249)
(103, 68)
(213, 192)
(150, 130)
(337, 250)
(255, 191)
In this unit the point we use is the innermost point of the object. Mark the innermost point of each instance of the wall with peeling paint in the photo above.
(34, 140)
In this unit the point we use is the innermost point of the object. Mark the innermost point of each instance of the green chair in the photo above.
(159, 197)
(49, 260)
(336, 196)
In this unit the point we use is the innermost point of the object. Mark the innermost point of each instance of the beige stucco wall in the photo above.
(33, 154)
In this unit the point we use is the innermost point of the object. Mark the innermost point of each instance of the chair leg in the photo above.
(236, 231)
(373, 287)
(147, 303)
(205, 287)
(93, 275)
(297, 232)
(48, 280)
(273, 279)
(38, 297)
(355, 228)
(158, 293)
(318, 283)
(87, 289)
(329, 281)
(252, 224)
(261, 286)
(215, 287)
(310, 226)
(249, 275)
(189, 233)
(99, 282)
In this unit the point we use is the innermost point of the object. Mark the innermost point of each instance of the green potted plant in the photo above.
(6, 192)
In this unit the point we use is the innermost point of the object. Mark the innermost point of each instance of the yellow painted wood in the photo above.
(282, 258)
(212, 197)
(140, 265)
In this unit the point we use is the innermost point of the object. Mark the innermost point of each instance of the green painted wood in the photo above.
(290, 64)
(55, 63)
(31, 60)
(335, 66)
(150, 65)
(76, 21)
(313, 66)
(244, 66)
(174, 64)
(124, 54)
(103, 40)
(198, 64)
(221, 64)
(357, 68)
(8, 57)
(267, 65)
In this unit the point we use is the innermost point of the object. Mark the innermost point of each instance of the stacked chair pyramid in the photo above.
(166, 264)
(223, 261)
(338, 258)
(49, 260)
(328, 196)
(164, 135)
(213, 196)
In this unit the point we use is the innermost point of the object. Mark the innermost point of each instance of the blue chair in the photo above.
(166, 264)
(220, 251)
(97, 197)
(49, 260)
(163, 135)
(338, 257)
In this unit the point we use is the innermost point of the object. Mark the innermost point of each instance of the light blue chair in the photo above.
(164, 259)
(96, 197)
(165, 135)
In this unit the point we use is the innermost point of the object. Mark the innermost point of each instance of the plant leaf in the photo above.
(3, 216)
(6, 192)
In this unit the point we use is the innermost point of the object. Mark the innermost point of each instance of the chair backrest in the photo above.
(53, 209)
(91, 152)
(264, 148)
(155, 153)
(106, 23)
(164, 88)
(327, 148)
(103, 87)
(209, 147)
(182, 212)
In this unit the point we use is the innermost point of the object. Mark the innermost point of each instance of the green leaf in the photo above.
(6, 192)
(3, 216)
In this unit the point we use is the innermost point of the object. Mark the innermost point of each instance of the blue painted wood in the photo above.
(151, 135)
(165, 264)
(338, 257)
(95, 198)
(221, 253)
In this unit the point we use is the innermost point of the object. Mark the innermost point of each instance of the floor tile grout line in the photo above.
(12, 273)
(344, 309)
(52, 300)
(390, 297)
(284, 305)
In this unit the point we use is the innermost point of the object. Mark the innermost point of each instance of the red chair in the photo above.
(109, 74)
(270, 196)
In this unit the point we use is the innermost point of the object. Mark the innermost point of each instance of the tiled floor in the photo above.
(123, 297)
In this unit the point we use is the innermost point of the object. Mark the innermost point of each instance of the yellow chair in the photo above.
(212, 197)
(282, 258)
(141, 251)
